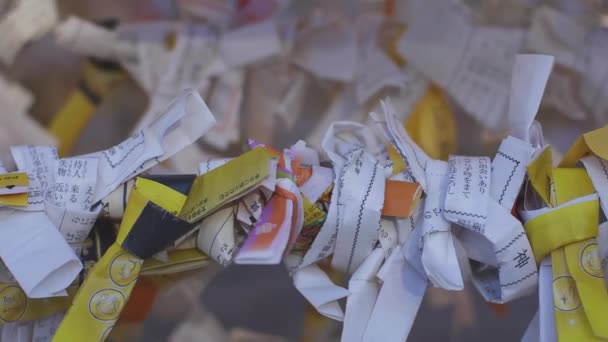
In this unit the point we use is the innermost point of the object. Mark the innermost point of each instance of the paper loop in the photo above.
(570, 222)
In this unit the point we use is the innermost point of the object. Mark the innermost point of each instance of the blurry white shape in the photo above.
(250, 43)
(86, 38)
(328, 52)
(27, 21)
(471, 62)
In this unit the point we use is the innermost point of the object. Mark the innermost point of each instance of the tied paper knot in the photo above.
(577, 286)
(439, 258)
(504, 267)
(353, 223)
(438, 252)
(477, 195)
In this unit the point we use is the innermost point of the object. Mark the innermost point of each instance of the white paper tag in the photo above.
(74, 183)
(468, 192)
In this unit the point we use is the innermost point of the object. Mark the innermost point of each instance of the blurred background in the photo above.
(334, 61)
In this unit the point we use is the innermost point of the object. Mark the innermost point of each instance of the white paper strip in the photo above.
(597, 169)
(361, 196)
(88, 39)
(186, 119)
(36, 253)
(438, 253)
(320, 292)
(398, 301)
(602, 242)
(328, 52)
(363, 288)
(250, 43)
(468, 192)
(528, 80)
(17, 332)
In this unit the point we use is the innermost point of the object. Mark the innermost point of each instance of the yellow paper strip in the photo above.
(558, 228)
(585, 267)
(312, 214)
(570, 320)
(539, 173)
(15, 200)
(15, 306)
(179, 261)
(221, 185)
(14, 179)
(594, 142)
(68, 123)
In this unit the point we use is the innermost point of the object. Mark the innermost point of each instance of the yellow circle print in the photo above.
(590, 260)
(565, 296)
(106, 304)
(125, 269)
(12, 303)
